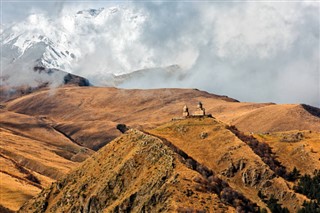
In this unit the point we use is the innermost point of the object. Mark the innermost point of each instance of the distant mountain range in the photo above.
(42, 51)
(46, 43)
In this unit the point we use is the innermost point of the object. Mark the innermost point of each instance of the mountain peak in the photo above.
(90, 12)
(59, 44)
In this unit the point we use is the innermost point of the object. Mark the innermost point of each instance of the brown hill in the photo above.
(147, 176)
(209, 142)
(183, 166)
(89, 115)
(276, 118)
(32, 155)
(300, 149)
(59, 123)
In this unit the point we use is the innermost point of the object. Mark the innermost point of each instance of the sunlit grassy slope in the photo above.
(48, 132)
(209, 141)
(32, 155)
(89, 115)
(135, 173)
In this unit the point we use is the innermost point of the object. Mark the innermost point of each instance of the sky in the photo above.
(261, 51)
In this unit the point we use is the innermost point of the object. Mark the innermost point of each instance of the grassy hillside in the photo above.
(195, 164)
(89, 114)
(135, 173)
(47, 133)
(300, 149)
(32, 155)
(212, 144)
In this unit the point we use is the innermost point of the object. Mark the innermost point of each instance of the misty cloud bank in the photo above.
(262, 52)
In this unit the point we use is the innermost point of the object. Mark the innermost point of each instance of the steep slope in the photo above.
(31, 59)
(194, 164)
(300, 149)
(137, 173)
(89, 115)
(76, 41)
(59, 122)
(32, 155)
(39, 41)
(213, 145)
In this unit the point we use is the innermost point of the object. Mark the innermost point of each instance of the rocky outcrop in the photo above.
(257, 176)
(234, 168)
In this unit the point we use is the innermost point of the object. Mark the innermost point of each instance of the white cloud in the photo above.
(253, 51)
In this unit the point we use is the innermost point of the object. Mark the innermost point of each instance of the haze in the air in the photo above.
(252, 51)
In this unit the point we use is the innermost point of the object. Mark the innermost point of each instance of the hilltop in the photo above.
(244, 165)
(68, 124)
(196, 164)
(89, 114)
(147, 176)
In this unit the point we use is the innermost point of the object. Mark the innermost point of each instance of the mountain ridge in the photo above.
(76, 121)
(179, 185)
(134, 202)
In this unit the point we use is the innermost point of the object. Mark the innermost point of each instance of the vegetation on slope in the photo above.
(310, 186)
(294, 149)
(140, 173)
(263, 150)
(212, 183)
(209, 142)
(32, 155)
(88, 117)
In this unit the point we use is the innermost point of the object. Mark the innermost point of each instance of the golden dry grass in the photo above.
(89, 114)
(219, 150)
(15, 192)
(135, 167)
(303, 154)
(28, 146)
(34, 127)
(276, 118)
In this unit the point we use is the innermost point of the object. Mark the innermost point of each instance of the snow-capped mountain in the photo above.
(102, 45)
(66, 43)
